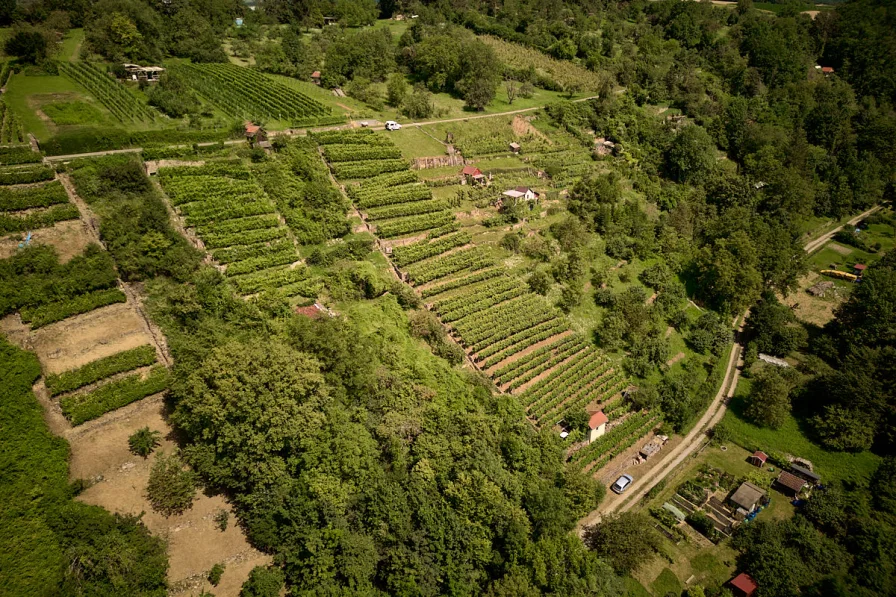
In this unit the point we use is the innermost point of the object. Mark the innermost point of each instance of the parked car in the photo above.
(622, 483)
(391, 125)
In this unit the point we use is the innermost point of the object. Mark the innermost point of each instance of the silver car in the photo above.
(622, 483)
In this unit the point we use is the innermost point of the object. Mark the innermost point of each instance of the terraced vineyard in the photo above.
(24, 208)
(239, 226)
(246, 93)
(11, 130)
(524, 344)
(115, 97)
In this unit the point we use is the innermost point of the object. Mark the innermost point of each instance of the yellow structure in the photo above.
(838, 274)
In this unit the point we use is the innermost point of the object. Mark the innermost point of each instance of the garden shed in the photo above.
(472, 175)
(743, 585)
(758, 458)
(805, 474)
(597, 425)
(790, 484)
(747, 496)
(515, 147)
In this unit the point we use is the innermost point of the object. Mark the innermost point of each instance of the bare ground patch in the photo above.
(81, 339)
(675, 359)
(69, 238)
(839, 248)
(813, 309)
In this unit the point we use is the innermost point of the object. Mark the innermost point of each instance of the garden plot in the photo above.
(100, 455)
(27, 207)
(69, 238)
(238, 224)
(81, 339)
(523, 343)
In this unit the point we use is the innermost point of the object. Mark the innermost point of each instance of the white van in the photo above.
(391, 125)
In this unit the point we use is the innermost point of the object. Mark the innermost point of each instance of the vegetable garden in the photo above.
(24, 208)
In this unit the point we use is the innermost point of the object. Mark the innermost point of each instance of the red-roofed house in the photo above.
(827, 70)
(758, 458)
(859, 269)
(315, 77)
(743, 585)
(472, 175)
(597, 425)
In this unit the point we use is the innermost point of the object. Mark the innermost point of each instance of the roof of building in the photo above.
(597, 419)
(760, 455)
(315, 74)
(791, 481)
(803, 471)
(153, 69)
(251, 129)
(523, 189)
(745, 583)
(859, 266)
(773, 360)
(514, 193)
(471, 171)
(514, 145)
(747, 495)
(827, 69)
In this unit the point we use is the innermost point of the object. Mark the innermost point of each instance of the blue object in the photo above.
(798, 503)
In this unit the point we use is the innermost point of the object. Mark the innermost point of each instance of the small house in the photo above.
(748, 497)
(743, 585)
(515, 147)
(524, 193)
(315, 77)
(789, 484)
(805, 474)
(472, 175)
(330, 20)
(149, 73)
(255, 134)
(827, 70)
(859, 269)
(597, 425)
(758, 458)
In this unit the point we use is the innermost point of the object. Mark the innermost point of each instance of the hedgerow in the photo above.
(85, 303)
(42, 218)
(403, 226)
(101, 369)
(26, 175)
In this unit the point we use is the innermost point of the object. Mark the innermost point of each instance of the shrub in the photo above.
(263, 582)
(143, 441)
(171, 488)
(214, 575)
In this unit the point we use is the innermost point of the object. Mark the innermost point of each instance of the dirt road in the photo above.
(696, 437)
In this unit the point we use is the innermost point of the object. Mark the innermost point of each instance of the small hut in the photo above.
(515, 147)
(315, 77)
(255, 134)
(597, 425)
(743, 585)
(789, 484)
(758, 458)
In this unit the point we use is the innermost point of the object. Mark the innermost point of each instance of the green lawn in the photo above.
(415, 143)
(633, 588)
(71, 43)
(665, 584)
(21, 88)
(790, 439)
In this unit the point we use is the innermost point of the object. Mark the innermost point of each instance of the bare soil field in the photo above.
(70, 238)
(81, 339)
(100, 454)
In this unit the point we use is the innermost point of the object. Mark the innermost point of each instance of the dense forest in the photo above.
(366, 463)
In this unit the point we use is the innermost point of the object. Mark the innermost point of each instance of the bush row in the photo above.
(249, 237)
(15, 198)
(84, 303)
(18, 154)
(101, 369)
(269, 279)
(518, 342)
(80, 408)
(407, 209)
(284, 256)
(43, 218)
(403, 226)
(467, 259)
(85, 140)
(26, 175)
(391, 195)
(357, 153)
(460, 282)
(349, 170)
(240, 253)
(408, 254)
